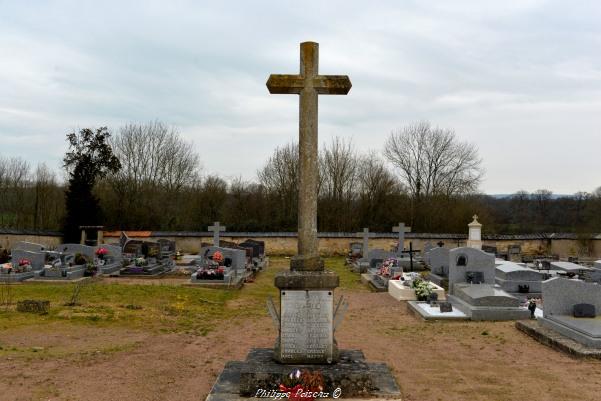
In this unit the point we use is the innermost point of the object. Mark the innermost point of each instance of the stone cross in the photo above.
(216, 228)
(401, 229)
(308, 84)
(366, 235)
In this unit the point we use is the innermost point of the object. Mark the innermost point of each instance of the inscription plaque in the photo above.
(306, 325)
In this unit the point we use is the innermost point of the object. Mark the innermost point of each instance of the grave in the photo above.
(473, 291)
(143, 258)
(23, 265)
(68, 262)
(401, 229)
(572, 308)
(29, 246)
(402, 290)
(439, 266)
(307, 319)
(220, 267)
(258, 259)
(518, 279)
(569, 268)
(361, 264)
(110, 261)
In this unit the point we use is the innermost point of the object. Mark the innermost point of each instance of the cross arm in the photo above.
(332, 84)
(285, 84)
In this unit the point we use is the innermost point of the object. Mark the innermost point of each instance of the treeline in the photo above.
(424, 177)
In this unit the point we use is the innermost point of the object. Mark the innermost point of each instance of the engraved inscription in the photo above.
(306, 324)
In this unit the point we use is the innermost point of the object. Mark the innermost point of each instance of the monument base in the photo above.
(352, 376)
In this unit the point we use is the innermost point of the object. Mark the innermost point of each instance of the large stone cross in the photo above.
(401, 229)
(366, 235)
(308, 84)
(216, 228)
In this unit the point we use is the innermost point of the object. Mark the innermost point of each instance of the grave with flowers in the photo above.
(109, 259)
(220, 267)
(69, 262)
(144, 258)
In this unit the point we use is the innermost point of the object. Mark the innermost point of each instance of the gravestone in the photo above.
(439, 262)
(29, 246)
(366, 235)
(467, 259)
(216, 229)
(563, 300)
(401, 229)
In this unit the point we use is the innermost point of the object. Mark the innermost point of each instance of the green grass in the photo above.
(163, 308)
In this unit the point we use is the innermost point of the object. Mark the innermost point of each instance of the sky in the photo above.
(520, 79)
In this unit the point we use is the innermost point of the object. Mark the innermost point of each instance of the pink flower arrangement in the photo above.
(101, 251)
(24, 262)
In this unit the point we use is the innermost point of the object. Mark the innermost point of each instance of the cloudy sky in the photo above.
(521, 79)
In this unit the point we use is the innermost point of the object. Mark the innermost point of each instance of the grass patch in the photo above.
(160, 307)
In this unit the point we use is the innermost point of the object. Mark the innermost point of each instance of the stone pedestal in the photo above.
(306, 332)
(352, 376)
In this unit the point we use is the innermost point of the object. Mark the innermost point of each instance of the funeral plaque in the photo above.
(306, 331)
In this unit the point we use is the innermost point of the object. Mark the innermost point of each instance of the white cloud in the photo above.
(522, 78)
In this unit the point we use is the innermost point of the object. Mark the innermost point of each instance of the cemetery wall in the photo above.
(334, 243)
(49, 240)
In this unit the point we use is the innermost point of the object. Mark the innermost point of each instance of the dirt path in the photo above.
(431, 361)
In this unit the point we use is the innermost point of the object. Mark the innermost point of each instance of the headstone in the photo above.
(307, 285)
(475, 234)
(366, 235)
(29, 246)
(216, 229)
(401, 229)
(474, 261)
(439, 261)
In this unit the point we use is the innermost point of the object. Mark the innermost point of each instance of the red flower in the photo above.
(101, 251)
(24, 262)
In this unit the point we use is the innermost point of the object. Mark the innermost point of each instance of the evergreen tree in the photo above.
(89, 158)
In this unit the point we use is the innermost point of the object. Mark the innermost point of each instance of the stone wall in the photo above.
(338, 243)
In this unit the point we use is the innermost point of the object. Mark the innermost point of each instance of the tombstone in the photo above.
(37, 259)
(29, 246)
(401, 229)
(569, 267)
(258, 253)
(467, 259)
(144, 258)
(216, 229)
(565, 300)
(88, 251)
(473, 290)
(110, 263)
(518, 279)
(475, 234)
(514, 253)
(233, 267)
(439, 261)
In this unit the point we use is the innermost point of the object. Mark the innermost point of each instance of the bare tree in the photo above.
(279, 177)
(157, 166)
(433, 162)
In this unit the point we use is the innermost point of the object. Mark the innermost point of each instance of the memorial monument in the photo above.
(307, 318)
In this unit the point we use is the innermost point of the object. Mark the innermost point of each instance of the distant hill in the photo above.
(553, 196)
